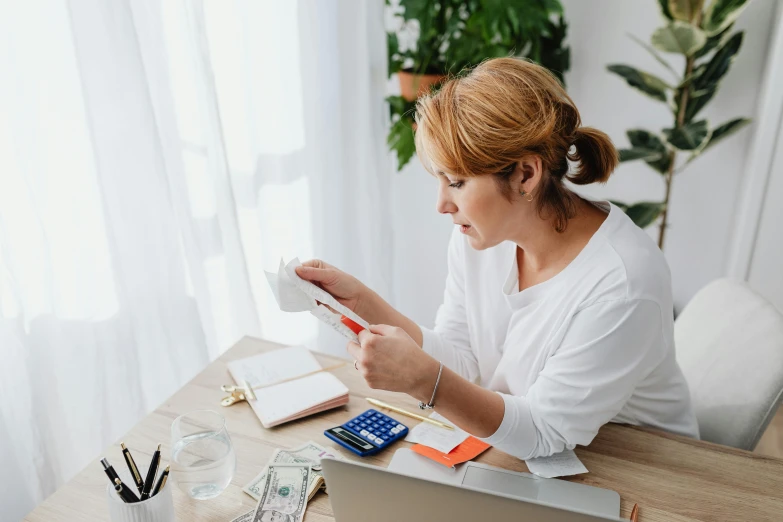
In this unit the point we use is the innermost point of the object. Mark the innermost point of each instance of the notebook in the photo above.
(293, 399)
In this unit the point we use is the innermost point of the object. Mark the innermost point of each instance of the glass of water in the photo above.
(203, 461)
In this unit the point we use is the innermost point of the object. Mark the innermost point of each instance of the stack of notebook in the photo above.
(295, 398)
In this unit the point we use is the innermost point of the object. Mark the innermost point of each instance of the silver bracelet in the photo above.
(432, 399)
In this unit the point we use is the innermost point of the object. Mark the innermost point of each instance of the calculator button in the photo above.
(400, 427)
(375, 425)
(395, 431)
(371, 437)
(380, 440)
(364, 433)
(363, 424)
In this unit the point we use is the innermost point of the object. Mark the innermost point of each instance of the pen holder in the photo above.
(159, 508)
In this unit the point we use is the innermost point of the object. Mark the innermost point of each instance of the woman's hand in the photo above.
(348, 290)
(389, 359)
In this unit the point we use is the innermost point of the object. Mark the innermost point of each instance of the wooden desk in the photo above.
(672, 478)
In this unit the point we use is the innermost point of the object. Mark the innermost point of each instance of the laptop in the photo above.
(361, 492)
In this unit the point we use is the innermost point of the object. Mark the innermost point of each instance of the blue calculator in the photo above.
(368, 433)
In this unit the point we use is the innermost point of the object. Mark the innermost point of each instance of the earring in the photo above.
(529, 197)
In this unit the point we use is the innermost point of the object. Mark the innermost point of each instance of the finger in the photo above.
(313, 274)
(382, 329)
(354, 349)
(364, 336)
(314, 263)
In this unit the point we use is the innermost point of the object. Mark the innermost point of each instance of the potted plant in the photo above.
(434, 38)
(705, 38)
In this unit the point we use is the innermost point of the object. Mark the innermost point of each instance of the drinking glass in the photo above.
(203, 461)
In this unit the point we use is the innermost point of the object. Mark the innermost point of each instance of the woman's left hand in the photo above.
(389, 359)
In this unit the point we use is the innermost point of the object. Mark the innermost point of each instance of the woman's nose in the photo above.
(444, 205)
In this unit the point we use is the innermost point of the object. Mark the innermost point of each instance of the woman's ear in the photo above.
(528, 173)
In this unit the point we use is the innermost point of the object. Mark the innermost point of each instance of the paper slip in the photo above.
(468, 450)
(435, 437)
(558, 465)
(294, 294)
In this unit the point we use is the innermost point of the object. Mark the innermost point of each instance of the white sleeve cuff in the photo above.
(516, 434)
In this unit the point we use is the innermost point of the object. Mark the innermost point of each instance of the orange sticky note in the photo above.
(468, 450)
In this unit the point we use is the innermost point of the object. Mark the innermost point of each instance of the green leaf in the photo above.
(647, 83)
(722, 13)
(684, 10)
(650, 49)
(639, 153)
(725, 130)
(401, 141)
(664, 4)
(714, 41)
(707, 76)
(697, 103)
(645, 213)
(688, 137)
(679, 37)
(642, 139)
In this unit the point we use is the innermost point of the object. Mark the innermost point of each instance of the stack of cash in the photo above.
(285, 485)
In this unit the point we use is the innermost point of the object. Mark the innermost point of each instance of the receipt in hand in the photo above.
(294, 294)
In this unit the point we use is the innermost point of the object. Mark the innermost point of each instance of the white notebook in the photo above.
(293, 399)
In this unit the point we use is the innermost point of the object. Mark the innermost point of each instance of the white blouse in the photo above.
(591, 345)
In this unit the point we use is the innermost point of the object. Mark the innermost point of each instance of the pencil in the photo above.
(409, 414)
(635, 512)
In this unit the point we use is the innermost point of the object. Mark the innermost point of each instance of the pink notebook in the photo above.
(293, 399)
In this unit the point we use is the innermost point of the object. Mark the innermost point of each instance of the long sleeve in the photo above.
(449, 341)
(607, 349)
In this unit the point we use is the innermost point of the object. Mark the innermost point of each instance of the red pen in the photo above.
(355, 327)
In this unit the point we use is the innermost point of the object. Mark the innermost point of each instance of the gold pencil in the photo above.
(409, 414)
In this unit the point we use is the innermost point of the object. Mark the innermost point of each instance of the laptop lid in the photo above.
(360, 492)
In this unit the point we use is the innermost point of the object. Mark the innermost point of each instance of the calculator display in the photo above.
(352, 439)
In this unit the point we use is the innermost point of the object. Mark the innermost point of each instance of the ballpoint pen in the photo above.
(409, 414)
(132, 467)
(124, 492)
(161, 482)
(109, 470)
(151, 472)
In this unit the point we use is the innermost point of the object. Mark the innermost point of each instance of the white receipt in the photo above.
(436, 437)
(558, 465)
(294, 294)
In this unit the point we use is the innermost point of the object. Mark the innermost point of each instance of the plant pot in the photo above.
(414, 85)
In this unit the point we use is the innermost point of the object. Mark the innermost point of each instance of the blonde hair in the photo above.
(506, 108)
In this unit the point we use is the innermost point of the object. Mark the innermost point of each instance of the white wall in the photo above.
(703, 197)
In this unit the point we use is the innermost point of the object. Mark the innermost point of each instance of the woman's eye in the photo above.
(456, 184)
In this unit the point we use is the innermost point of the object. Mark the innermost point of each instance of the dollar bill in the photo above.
(284, 497)
(309, 453)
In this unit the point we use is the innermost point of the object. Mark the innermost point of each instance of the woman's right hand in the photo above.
(348, 290)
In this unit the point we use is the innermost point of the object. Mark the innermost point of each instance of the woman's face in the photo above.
(478, 207)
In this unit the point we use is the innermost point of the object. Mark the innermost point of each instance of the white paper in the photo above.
(558, 465)
(294, 294)
(435, 437)
(274, 366)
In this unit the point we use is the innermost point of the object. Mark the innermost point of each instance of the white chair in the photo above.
(729, 344)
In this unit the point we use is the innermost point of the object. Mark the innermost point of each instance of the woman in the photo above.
(557, 314)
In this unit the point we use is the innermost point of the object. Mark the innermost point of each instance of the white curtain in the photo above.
(155, 157)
